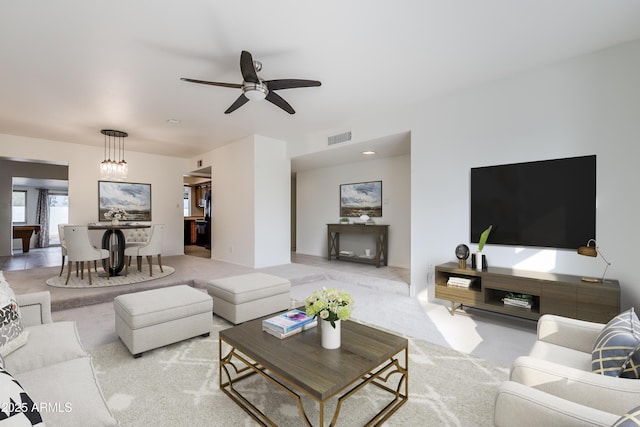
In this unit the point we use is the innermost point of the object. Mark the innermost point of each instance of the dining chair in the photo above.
(80, 249)
(153, 247)
(63, 246)
(137, 237)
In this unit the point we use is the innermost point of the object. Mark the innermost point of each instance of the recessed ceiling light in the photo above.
(173, 121)
(369, 153)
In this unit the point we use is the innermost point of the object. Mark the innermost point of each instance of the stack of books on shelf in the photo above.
(290, 323)
(346, 253)
(460, 282)
(518, 300)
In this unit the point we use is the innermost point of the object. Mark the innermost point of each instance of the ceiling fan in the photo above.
(254, 88)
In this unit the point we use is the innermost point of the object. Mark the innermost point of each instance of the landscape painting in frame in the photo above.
(363, 198)
(133, 198)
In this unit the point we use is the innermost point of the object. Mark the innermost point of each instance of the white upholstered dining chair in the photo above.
(63, 246)
(80, 249)
(153, 247)
(137, 237)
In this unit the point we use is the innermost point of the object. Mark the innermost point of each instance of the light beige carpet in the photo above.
(100, 280)
(178, 385)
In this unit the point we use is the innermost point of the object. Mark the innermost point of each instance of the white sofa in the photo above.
(554, 384)
(55, 370)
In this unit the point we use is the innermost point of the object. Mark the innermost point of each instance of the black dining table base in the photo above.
(113, 240)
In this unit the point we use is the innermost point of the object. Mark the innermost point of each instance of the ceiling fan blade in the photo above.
(239, 103)
(204, 82)
(290, 83)
(247, 68)
(276, 99)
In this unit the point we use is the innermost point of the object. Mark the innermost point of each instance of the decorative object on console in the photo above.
(114, 169)
(363, 198)
(462, 253)
(480, 259)
(592, 250)
(134, 198)
(365, 219)
(344, 220)
(332, 306)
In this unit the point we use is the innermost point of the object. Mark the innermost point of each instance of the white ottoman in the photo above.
(249, 296)
(158, 317)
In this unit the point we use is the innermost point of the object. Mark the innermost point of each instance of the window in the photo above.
(187, 200)
(19, 206)
(58, 214)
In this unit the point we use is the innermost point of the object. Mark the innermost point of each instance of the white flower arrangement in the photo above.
(115, 213)
(329, 305)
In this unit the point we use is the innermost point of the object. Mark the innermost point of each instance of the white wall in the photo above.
(250, 201)
(272, 201)
(586, 105)
(232, 202)
(318, 203)
(162, 172)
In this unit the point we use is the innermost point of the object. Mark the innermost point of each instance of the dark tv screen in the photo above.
(549, 203)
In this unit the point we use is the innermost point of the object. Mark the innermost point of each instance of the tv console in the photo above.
(552, 293)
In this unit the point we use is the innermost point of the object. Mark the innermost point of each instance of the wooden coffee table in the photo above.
(300, 366)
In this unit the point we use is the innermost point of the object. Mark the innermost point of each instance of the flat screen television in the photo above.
(549, 203)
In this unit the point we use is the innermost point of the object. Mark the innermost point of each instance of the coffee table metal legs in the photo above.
(234, 366)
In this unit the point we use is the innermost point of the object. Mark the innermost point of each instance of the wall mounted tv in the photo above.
(549, 203)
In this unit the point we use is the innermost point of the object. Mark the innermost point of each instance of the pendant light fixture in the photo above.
(117, 167)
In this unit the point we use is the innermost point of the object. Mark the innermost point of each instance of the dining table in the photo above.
(114, 241)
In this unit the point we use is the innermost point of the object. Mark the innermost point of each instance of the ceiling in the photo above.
(69, 68)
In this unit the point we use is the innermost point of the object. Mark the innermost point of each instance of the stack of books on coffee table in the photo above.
(290, 323)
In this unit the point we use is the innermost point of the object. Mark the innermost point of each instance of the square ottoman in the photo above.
(249, 296)
(158, 317)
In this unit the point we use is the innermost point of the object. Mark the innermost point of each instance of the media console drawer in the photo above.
(552, 293)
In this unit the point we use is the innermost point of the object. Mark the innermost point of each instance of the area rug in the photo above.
(178, 385)
(100, 280)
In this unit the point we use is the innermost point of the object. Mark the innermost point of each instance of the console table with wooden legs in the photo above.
(379, 232)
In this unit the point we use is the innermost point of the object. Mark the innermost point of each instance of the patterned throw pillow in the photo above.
(630, 419)
(16, 407)
(614, 349)
(12, 333)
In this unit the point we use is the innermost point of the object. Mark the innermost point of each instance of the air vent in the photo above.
(341, 137)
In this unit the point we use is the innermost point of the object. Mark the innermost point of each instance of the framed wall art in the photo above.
(134, 198)
(362, 198)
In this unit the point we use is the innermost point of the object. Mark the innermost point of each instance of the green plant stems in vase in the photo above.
(481, 242)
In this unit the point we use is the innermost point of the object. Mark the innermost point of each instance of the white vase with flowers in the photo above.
(332, 306)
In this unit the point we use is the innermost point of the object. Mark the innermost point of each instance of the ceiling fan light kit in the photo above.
(256, 89)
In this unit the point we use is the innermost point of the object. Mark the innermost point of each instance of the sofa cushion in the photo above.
(12, 333)
(68, 394)
(630, 419)
(616, 345)
(16, 407)
(48, 344)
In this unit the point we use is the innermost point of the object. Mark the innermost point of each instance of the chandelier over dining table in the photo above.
(116, 167)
